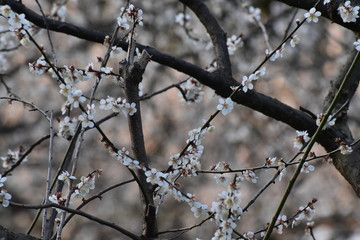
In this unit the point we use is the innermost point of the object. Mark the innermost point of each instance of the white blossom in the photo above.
(225, 105)
(312, 15)
(348, 13)
(5, 197)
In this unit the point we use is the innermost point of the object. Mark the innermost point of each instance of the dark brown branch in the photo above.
(9, 235)
(217, 35)
(328, 11)
(133, 71)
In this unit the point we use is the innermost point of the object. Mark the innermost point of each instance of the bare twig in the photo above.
(99, 195)
(80, 213)
(48, 179)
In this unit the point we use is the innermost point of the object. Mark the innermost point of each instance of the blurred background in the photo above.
(243, 138)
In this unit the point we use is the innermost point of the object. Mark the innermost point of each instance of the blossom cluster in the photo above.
(277, 54)
(301, 138)
(233, 43)
(191, 91)
(118, 105)
(306, 212)
(247, 82)
(131, 14)
(329, 122)
(12, 157)
(79, 191)
(182, 19)
(348, 13)
(18, 23)
(226, 210)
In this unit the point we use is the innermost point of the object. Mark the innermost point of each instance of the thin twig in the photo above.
(80, 213)
(27, 104)
(48, 178)
(98, 195)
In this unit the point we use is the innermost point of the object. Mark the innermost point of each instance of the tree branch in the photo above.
(217, 35)
(80, 213)
(328, 11)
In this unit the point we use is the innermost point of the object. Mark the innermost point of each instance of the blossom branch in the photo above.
(132, 73)
(23, 156)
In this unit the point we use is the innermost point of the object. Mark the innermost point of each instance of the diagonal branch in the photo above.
(217, 35)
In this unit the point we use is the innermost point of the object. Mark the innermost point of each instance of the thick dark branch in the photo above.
(329, 10)
(217, 35)
(348, 165)
(133, 72)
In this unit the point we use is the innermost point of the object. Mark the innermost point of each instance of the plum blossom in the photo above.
(57, 199)
(134, 14)
(87, 118)
(329, 122)
(122, 157)
(312, 15)
(2, 180)
(182, 19)
(307, 168)
(12, 157)
(65, 89)
(84, 186)
(345, 149)
(122, 23)
(58, 11)
(250, 176)
(247, 82)
(129, 109)
(277, 54)
(191, 91)
(254, 14)
(222, 179)
(75, 97)
(301, 138)
(198, 208)
(5, 10)
(18, 21)
(281, 223)
(67, 128)
(357, 45)
(225, 105)
(38, 66)
(65, 176)
(5, 197)
(348, 13)
(233, 43)
(294, 41)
